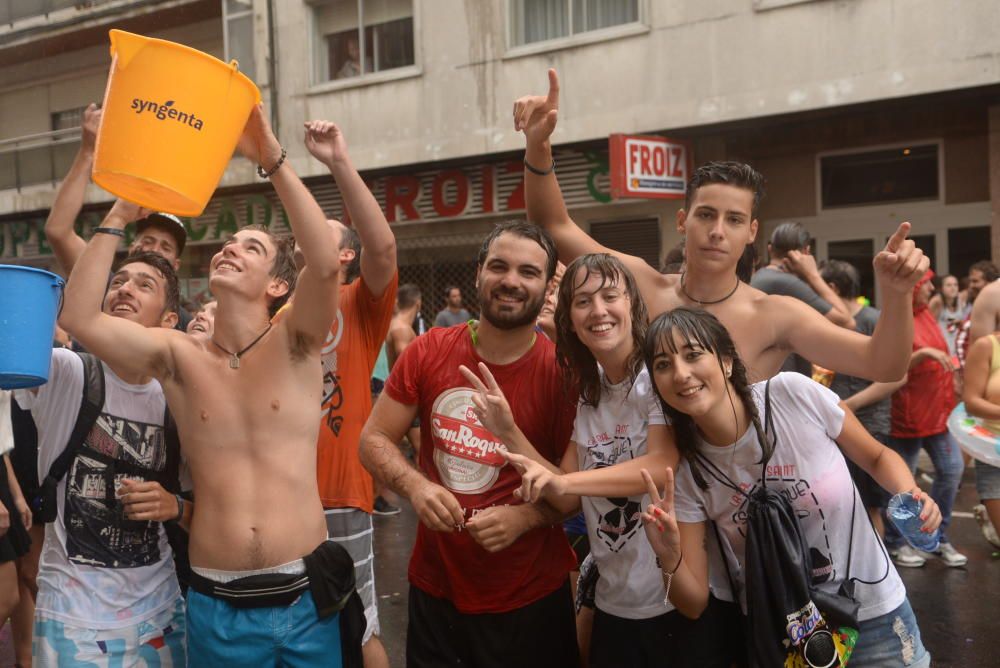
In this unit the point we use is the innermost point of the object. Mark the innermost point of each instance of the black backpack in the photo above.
(43, 505)
(789, 622)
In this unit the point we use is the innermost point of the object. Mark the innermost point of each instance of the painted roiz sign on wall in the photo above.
(648, 166)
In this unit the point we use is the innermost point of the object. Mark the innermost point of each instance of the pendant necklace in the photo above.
(709, 303)
(234, 358)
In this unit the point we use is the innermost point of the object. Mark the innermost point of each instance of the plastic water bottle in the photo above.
(904, 511)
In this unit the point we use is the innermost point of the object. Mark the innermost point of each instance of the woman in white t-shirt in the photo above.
(715, 413)
(619, 429)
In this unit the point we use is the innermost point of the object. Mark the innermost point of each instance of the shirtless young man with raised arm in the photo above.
(718, 221)
(247, 405)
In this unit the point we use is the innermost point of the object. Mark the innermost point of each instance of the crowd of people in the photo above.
(584, 455)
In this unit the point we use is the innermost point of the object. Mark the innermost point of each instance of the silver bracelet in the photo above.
(668, 578)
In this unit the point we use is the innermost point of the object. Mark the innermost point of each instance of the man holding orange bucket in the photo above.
(267, 587)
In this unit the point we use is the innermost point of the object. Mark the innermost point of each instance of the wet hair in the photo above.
(524, 230)
(703, 329)
(730, 173)
(407, 295)
(349, 239)
(987, 269)
(283, 267)
(171, 287)
(788, 237)
(575, 359)
(844, 276)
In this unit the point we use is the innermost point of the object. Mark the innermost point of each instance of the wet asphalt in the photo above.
(958, 609)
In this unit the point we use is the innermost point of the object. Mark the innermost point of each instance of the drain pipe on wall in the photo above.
(272, 69)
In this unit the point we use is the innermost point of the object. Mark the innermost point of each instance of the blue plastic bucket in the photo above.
(29, 303)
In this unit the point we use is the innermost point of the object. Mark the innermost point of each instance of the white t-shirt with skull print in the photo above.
(630, 585)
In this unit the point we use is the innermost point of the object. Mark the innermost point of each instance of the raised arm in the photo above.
(679, 548)
(885, 355)
(804, 266)
(118, 342)
(317, 290)
(65, 242)
(536, 116)
(325, 142)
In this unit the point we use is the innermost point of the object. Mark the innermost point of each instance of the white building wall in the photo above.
(687, 64)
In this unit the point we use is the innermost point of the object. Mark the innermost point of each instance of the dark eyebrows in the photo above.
(124, 273)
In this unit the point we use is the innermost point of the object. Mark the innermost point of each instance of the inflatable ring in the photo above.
(978, 440)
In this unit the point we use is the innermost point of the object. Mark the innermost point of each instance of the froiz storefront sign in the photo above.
(443, 194)
(648, 166)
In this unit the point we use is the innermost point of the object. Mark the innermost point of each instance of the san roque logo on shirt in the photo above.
(466, 453)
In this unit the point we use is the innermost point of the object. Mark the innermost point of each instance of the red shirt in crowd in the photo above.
(921, 407)
(461, 455)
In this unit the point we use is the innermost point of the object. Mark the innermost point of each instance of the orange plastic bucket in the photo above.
(172, 118)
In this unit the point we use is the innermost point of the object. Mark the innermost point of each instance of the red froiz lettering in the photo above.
(465, 440)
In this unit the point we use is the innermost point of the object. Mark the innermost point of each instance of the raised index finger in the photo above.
(553, 97)
(898, 237)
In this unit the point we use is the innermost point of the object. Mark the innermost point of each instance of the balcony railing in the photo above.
(40, 158)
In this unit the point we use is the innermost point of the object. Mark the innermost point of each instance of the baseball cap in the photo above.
(168, 222)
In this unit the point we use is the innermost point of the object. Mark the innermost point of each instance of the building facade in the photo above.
(860, 113)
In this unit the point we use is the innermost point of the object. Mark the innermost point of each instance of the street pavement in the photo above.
(958, 609)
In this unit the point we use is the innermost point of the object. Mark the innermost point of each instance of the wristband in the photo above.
(539, 172)
(269, 173)
(113, 231)
(668, 577)
(180, 507)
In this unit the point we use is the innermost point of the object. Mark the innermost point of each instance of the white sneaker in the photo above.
(950, 556)
(908, 557)
(986, 526)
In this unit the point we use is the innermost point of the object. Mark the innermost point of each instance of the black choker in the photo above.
(717, 301)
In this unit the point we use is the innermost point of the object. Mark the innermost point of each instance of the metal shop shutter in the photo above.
(634, 237)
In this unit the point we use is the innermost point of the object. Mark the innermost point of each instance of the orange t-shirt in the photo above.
(349, 355)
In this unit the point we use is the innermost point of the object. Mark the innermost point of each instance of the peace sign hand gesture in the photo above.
(535, 115)
(660, 522)
(490, 404)
(900, 264)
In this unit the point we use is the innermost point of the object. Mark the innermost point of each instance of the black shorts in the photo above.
(24, 456)
(541, 634)
(16, 542)
(670, 640)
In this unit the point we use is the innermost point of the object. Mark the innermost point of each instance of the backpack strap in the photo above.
(171, 440)
(91, 404)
